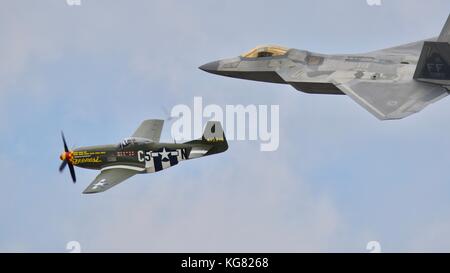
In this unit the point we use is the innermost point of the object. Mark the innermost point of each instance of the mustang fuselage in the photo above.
(142, 157)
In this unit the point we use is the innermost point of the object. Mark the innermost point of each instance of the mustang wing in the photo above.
(108, 179)
(392, 100)
(150, 129)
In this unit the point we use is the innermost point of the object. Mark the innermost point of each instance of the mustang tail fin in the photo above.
(213, 136)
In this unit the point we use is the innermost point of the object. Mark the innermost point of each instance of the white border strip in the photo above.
(123, 167)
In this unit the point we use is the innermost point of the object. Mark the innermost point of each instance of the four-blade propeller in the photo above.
(66, 160)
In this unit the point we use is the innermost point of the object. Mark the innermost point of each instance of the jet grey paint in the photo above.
(391, 83)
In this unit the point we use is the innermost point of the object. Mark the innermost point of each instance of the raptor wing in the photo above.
(392, 100)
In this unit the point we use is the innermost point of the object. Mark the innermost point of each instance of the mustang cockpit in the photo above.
(131, 141)
(265, 51)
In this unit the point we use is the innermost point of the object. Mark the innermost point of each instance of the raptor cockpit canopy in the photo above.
(265, 51)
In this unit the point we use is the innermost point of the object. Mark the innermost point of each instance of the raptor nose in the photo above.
(210, 67)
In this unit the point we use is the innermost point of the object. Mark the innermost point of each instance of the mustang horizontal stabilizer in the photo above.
(392, 100)
(150, 129)
(108, 179)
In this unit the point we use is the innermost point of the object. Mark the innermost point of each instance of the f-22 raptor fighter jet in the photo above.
(140, 153)
(391, 83)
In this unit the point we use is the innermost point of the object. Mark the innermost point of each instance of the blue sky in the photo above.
(339, 179)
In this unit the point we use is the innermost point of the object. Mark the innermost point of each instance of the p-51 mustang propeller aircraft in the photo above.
(140, 153)
(391, 83)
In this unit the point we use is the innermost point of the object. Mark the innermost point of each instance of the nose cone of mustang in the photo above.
(66, 156)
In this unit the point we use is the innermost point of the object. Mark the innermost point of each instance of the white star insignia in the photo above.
(100, 184)
(164, 154)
